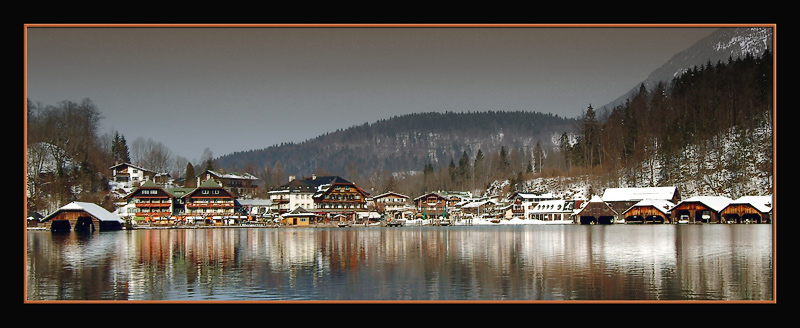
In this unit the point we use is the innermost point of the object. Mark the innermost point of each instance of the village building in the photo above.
(748, 209)
(596, 211)
(621, 199)
(297, 192)
(700, 209)
(83, 217)
(299, 216)
(211, 202)
(432, 203)
(552, 210)
(478, 209)
(391, 202)
(254, 208)
(326, 196)
(522, 203)
(336, 195)
(649, 211)
(241, 184)
(151, 202)
(129, 174)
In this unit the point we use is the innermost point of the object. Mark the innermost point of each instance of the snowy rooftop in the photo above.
(93, 209)
(664, 206)
(761, 203)
(716, 203)
(627, 194)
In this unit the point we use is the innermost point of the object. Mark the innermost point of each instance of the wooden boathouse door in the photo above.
(84, 224)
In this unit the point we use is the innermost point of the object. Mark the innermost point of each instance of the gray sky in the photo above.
(236, 88)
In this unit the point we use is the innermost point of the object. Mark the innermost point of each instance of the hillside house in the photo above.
(241, 184)
(127, 173)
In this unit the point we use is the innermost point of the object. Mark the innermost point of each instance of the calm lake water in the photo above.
(473, 263)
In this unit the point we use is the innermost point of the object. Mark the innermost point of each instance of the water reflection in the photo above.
(644, 262)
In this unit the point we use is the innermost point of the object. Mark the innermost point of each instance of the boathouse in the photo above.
(649, 211)
(621, 199)
(596, 211)
(748, 209)
(700, 209)
(83, 217)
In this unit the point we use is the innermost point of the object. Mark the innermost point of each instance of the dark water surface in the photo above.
(480, 263)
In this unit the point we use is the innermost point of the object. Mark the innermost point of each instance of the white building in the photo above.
(552, 210)
(391, 201)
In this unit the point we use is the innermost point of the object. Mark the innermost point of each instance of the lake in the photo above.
(413, 263)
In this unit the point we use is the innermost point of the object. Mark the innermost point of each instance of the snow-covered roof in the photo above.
(532, 196)
(664, 206)
(628, 194)
(762, 203)
(93, 209)
(478, 204)
(233, 175)
(391, 194)
(596, 199)
(716, 203)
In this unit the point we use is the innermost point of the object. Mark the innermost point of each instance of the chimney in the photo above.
(313, 176)
(291, 178)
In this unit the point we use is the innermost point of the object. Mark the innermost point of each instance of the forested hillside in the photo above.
(405, 145)
(709, 131)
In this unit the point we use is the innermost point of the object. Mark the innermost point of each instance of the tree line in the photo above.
(715, 117)
(69, 160)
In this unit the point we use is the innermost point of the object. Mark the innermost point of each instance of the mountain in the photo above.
(408, 143)
(720, 46)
